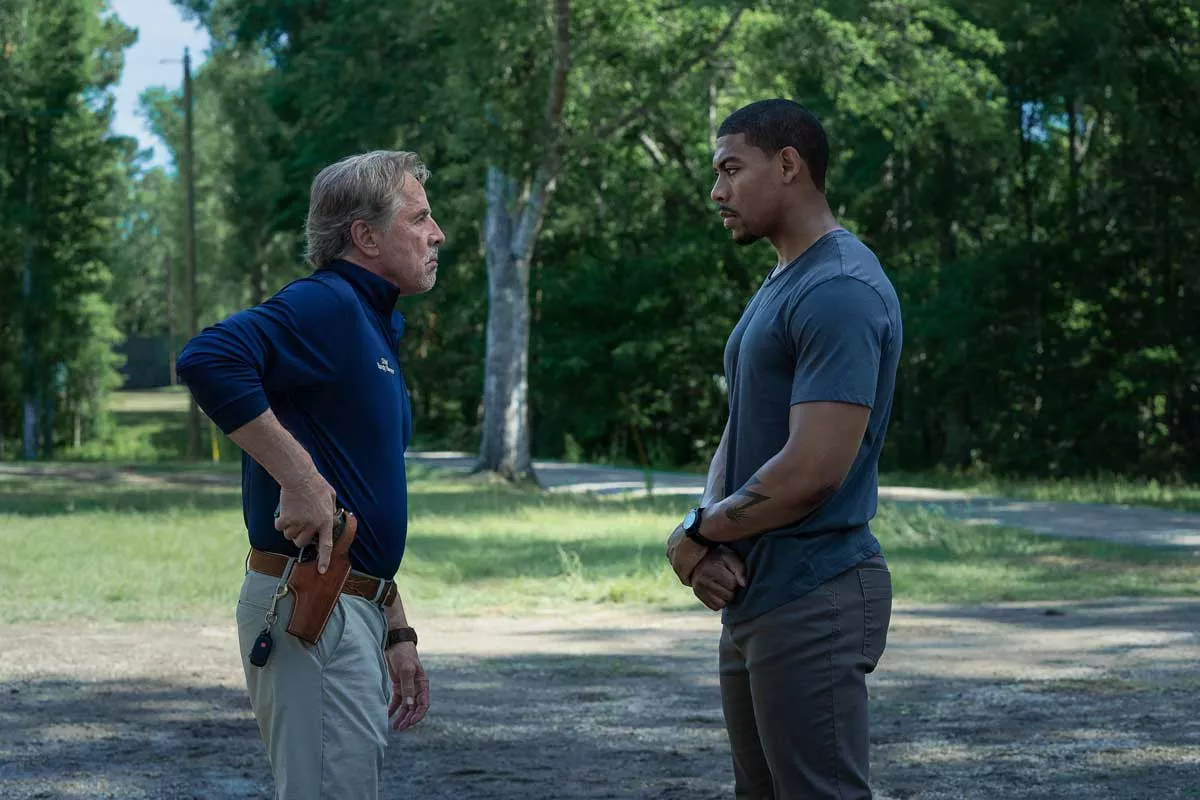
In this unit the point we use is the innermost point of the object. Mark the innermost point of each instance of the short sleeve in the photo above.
(839, 330)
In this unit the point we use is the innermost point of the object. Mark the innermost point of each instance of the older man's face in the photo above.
(408, 248)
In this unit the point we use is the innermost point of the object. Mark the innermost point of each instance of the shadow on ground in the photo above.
(988, 703)
(1118, 737)
(1161, 615)
(528, 726)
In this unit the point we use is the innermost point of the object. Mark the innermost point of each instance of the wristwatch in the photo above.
(398, 635)
(691, 527)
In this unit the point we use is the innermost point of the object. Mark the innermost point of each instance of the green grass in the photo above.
(1113, 490)
(88, 543)
(129, 540)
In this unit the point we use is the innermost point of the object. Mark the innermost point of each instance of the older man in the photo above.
(309, 385)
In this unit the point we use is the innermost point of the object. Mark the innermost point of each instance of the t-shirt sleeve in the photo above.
(286, 343)
(839, 330)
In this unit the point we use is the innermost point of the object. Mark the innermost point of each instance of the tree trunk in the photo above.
(262, 281)
(504, 447)
(29, 428)
(49, 401)
(31, 407)
(1073, 158)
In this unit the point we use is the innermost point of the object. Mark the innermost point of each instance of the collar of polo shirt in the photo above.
(380, 293)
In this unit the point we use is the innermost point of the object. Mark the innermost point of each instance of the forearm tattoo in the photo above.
(737, 513)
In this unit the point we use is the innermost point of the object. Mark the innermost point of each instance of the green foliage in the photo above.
(62, 187)
(1025, 173)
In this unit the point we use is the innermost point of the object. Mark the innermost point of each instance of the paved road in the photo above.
(1146, 526)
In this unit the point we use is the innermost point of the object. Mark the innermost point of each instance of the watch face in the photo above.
(689, 520)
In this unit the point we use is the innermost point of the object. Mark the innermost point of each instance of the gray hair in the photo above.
(367, 186)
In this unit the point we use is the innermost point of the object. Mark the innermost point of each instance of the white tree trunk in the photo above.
(504, 447)
(510, 237)
(511, 233)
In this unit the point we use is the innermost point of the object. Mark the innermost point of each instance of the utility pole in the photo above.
(189, 181)
(170, 321)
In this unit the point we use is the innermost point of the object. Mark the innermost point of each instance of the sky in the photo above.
(162, 35)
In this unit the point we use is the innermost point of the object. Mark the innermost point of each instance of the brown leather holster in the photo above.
(317, 594)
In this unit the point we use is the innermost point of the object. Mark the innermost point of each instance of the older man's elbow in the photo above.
(186, 363)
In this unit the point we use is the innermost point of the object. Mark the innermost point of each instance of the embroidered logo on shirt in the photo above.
(384, 366)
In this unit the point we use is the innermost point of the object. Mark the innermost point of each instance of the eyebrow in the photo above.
(724, 162)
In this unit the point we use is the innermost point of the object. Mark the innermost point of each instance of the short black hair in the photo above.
(771, 125)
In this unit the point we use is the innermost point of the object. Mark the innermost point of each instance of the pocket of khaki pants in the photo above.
(877, 611)
(331, 637)
(257, 591)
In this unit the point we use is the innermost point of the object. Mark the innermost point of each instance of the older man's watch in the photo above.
(691, 527)
(398, 635)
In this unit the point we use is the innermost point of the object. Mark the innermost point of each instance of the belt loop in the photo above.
(287, 570)
(380, 591)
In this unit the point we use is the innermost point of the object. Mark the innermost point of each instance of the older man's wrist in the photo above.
(397, 636)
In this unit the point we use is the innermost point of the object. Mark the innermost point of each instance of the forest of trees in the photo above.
(1026, 172)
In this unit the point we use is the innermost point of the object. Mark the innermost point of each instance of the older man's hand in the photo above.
(410, 686)
(717, 578)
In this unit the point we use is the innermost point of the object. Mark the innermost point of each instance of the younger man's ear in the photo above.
(791, 166)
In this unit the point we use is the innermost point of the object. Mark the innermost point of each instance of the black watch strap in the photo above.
(693, 531)
(398, 635)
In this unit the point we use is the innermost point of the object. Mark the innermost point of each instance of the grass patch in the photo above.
(1109, 490)
(168, 543)
(937, 559)
(149, 426)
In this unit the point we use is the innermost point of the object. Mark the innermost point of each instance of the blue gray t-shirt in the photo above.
(825, 328)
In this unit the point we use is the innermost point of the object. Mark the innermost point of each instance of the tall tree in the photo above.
(510, 233)
(514, 223)
(61, 181)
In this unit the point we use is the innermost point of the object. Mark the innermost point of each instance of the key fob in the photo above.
(261, 650)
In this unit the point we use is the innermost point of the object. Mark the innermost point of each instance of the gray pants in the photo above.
(321, 710)
(793, 687)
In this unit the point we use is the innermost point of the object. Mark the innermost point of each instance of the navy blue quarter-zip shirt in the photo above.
(321, 354)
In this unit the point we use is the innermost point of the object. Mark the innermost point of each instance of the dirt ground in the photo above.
(1091, 700)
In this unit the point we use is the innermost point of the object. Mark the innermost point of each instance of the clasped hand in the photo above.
(715, 574)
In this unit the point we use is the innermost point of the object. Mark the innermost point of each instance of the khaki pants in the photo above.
(321, 711)
(794, 691)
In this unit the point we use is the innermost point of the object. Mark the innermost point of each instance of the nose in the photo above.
(438, 236)
(720, 192)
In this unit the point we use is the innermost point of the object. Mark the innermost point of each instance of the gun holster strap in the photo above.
(377, 590)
